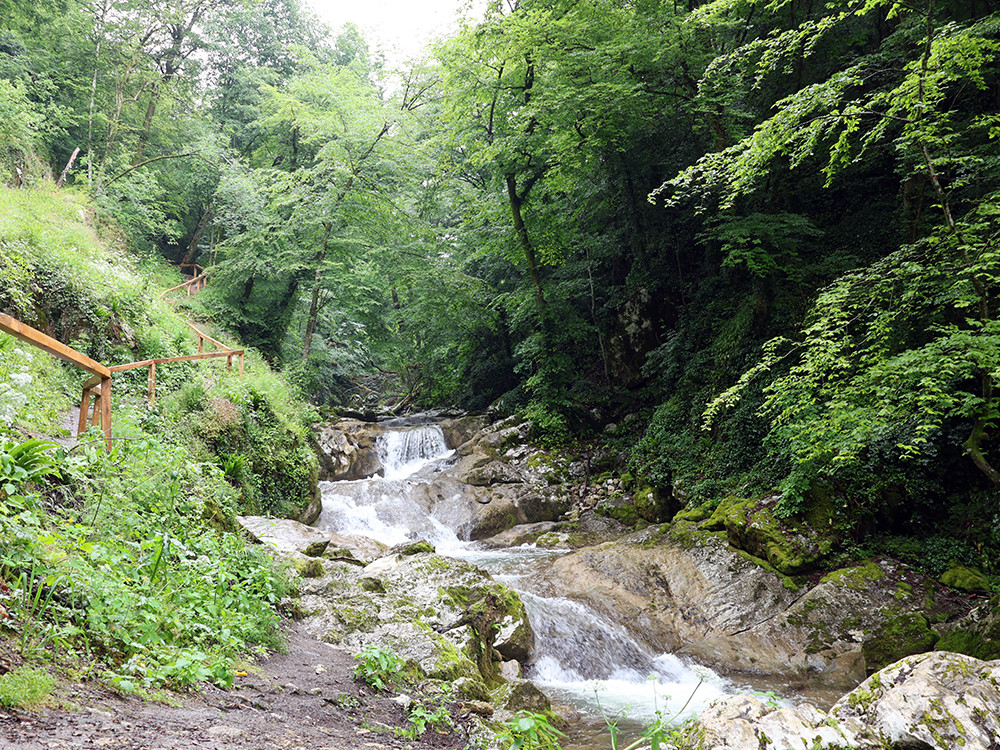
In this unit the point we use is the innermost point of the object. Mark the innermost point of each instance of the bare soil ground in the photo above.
(307, 699)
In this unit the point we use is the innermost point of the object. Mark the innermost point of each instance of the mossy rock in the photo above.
(901, 634)
(751, 526)
(965, 579)
(696, 514)
(977, 634)
(415, 548)
(856, 578)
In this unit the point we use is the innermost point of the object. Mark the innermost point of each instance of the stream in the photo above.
(581, 660)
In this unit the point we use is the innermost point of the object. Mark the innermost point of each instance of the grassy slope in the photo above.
(127, 566)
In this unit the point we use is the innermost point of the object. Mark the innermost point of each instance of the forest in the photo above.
(760, 237)
(751, 245)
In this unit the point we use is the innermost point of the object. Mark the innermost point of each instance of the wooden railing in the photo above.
(100, 384)
(97, 389)
(224, 351)
(193, 285)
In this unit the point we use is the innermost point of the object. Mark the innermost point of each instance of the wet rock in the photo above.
(672, 590)
(684, 590)
(296, 540)
(347, 450)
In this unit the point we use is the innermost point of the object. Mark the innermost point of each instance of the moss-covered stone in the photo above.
(695, 515)
(965, 579)
(977, 634)
(900, 634)
(856, 578)
(415, 548)
(751, 526)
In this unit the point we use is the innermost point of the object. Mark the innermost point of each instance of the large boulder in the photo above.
(671, 587)
(294, 540)
(938, 701)
(347, 450)
(689, 591)
(448, 619)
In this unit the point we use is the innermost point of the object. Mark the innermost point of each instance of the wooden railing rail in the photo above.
(152, 363)
(193, 286)
(97, 389)
(203, 337)
(99, 385)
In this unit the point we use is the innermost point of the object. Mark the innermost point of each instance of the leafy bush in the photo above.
(138, 570)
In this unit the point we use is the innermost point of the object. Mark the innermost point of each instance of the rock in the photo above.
(672, 590)
(480, 708)
(296, 540)
(750, 525)
(855, 621)
(461, 430)
(347, 450)
(223, 732)
(467, 688)
(976, 634)
(446, 618)
(403, 700)
(744, 722)
(679, 589)
(965, 579)
(937, 700)
(521, 695)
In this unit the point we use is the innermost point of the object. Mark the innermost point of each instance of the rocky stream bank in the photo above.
(727, 587)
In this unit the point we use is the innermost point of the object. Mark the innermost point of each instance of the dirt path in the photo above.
(305, 699)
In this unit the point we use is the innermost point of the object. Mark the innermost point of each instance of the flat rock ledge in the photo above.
(939, 701)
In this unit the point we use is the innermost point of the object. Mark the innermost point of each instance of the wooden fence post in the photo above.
(152, 384)
(106, 410)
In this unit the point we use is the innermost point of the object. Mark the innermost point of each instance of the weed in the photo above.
(378, 666)
(25, 687)
(530, 731)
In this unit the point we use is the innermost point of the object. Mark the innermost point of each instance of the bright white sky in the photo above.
(399, 28)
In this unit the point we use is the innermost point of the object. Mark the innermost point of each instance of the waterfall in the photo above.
(404, 452)
(580, 658)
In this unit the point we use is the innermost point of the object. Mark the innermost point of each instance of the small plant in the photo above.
(422, 714)
(378, 666)
(530, 731)
(25, 686)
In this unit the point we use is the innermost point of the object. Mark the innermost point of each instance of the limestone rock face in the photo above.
(347, 450)
(673, 591)
(293, 539)
(434, 612)
(938, 700)
(689, 592)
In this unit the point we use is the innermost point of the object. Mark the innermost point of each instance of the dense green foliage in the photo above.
(759, 238)
(128, 565)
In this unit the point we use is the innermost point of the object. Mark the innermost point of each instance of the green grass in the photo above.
(25, 687)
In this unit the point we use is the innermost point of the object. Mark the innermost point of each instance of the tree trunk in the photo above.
(516, 202)
(192, 251)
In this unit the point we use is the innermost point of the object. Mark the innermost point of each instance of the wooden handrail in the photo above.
(182, 358)
(36, 338)
(187, 284)
(98, 386)
(202, 335)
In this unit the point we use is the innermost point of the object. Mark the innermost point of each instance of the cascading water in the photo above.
(580, 658)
